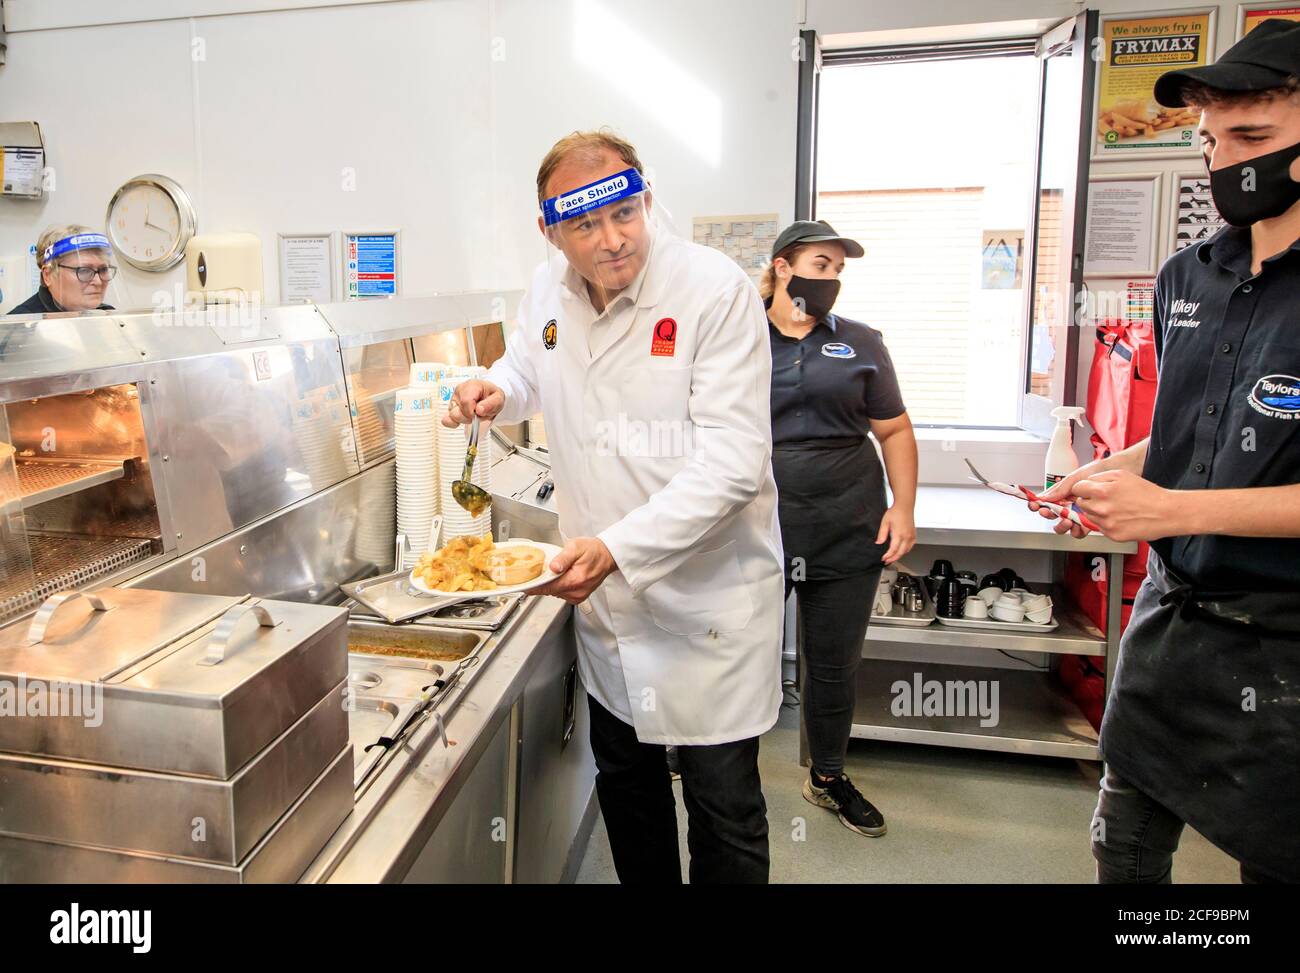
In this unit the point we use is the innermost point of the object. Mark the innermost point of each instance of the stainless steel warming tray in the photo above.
(185, 684)
(215, 821)
(282, 856)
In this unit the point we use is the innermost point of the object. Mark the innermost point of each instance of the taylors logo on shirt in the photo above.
(1180, 313)
(1277, 396)
(664, 340)
(837, 349)
(549, 334)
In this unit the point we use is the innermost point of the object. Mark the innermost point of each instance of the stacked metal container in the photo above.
(163, 737)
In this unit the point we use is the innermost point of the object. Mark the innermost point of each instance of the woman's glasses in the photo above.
(87, 274)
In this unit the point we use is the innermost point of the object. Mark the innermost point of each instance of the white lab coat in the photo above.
(666, 458)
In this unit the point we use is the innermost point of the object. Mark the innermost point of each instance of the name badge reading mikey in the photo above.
(837, 349)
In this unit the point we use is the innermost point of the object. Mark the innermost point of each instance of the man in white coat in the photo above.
(648, 359)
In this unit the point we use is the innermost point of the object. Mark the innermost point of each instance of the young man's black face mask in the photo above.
(1256, 189)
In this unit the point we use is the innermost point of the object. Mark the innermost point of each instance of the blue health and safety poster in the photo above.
(371, 265)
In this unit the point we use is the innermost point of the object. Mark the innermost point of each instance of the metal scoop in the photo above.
(473, 498)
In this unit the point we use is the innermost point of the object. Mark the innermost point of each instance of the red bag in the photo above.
(1121, 400)
(1122, 385)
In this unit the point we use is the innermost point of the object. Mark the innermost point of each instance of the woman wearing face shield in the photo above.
(76, 267)
(832, 383)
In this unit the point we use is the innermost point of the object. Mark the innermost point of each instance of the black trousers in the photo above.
(834, 616)
(1134, 837)
(727, 832)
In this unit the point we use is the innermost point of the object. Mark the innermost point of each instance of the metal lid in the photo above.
(116, 628)
(212, 665)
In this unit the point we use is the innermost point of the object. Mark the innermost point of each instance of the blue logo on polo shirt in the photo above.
(837, 349)
(1277, 396)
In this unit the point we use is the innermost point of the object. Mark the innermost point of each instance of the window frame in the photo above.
(1074, 34)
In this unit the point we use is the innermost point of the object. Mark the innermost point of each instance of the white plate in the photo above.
(992, 624)
(547, 576)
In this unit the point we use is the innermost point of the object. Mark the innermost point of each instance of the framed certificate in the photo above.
(307, 262)
(1123, 221)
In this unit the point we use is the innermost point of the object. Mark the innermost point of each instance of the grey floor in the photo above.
(953, 815)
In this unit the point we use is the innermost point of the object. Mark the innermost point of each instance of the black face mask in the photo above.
(1264, 192)
(814, 296)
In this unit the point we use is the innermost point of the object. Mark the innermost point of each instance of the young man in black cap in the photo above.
(1202, 726)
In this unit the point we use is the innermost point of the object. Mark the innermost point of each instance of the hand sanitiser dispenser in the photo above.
(1061, 461)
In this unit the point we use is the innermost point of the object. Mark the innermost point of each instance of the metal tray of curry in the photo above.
(425, 643)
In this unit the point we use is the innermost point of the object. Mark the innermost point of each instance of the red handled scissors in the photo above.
(1069, 512)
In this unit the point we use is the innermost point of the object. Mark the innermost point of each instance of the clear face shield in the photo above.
(78, 270)
(598, 229)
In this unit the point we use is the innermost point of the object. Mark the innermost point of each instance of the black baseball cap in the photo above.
(1261, 60)
(818, 231)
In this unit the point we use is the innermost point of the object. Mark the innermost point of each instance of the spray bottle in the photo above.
(1061, 461)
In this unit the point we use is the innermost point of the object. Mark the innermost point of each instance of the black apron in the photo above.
(830, 500)
(1204, 714)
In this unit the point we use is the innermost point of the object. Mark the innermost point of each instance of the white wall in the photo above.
(706, 91)
(261, 130)
(443, 108)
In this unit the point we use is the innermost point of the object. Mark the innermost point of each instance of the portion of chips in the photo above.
(459, 565)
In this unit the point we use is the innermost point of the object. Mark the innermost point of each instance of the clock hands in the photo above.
(155, 226)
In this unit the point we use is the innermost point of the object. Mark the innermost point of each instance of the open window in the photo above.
(962, 169)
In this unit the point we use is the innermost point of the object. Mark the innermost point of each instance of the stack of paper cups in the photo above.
(428, 372)
(315, 423)
(452, 444)
(374, 540)
(433, 372)
(417, 468)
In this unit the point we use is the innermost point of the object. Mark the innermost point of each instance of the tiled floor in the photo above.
(953, 815)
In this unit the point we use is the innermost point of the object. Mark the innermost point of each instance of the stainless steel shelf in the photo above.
(1035, 714)
(42, 480)
(1074, 635)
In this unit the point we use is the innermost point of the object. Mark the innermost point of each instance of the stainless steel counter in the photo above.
(397, 825)
(974, 516)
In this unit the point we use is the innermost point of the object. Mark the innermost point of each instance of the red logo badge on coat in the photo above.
(664, 341)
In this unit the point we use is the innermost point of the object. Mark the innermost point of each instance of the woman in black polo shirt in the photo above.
(832, 383)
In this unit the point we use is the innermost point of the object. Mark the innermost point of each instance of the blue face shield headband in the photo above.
(78, 241)
(592, 196)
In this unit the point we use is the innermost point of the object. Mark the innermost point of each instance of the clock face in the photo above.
(149, 222)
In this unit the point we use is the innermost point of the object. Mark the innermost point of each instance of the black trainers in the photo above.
(855, 812)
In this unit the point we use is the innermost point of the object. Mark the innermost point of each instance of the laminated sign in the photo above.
(1134, 52)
